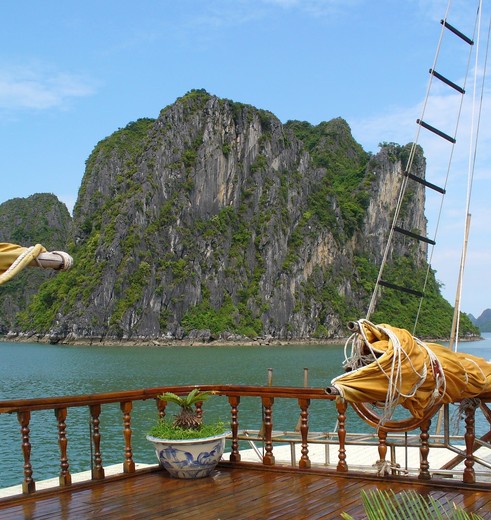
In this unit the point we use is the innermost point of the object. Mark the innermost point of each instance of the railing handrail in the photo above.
(49, 403)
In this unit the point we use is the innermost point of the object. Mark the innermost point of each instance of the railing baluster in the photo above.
(304, 461)
(470, 406)
(268, 458)
(28, 485)
(234, 424)
(341, 408)
(97, 469)
(381, 463)
(129, 465)
(65, 478)
(424, 449)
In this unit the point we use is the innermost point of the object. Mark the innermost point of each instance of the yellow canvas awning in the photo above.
(391, 367)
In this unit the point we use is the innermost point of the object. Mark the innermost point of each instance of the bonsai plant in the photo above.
(185, 446)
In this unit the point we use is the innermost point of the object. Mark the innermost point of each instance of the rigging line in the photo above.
(476, 30)
(473, 145)
(408, 167)
(404, 182)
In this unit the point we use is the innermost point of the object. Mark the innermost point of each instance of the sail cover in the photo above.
(14, 258)
(389, 366)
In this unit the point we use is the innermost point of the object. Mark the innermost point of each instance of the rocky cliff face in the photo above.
(217, 220)
(42, 219)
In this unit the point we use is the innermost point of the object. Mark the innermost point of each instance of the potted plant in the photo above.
(185, 446)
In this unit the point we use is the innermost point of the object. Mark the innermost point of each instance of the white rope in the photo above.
(385, 467)
(357, 359)
(484, 377)
(438, 375)
(394, 376)
(67, 260)
(13, 266)
(57, 260)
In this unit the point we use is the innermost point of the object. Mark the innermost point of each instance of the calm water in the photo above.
(33, 370)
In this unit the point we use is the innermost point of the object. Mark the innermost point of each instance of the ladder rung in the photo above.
(456, 32)
(400, 288)
(435, 131)
(425, 183)
(421, 238)
(447, 81)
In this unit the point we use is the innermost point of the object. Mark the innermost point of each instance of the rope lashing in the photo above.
(16, 258)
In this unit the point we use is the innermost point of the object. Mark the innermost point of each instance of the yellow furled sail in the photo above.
(391, 367)
(14, 258)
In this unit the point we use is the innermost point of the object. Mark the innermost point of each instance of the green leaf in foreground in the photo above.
(408, 505)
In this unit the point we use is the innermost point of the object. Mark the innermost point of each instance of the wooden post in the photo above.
(267, 402)
(97, 469)
(28, 485)
(304, 461)
(270, 383)
(305, 384)
(382, 452)
(470, 405)
(424, 450)
(128, 465)
(234, 423)
(341, 408)
(65, 478)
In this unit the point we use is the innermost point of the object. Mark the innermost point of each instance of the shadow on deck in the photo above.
(239, 492)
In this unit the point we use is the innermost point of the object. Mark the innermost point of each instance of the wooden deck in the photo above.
(231, 493)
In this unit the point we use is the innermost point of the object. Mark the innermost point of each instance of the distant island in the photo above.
(483, 322)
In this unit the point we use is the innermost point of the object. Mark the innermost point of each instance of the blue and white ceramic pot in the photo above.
(190, 458)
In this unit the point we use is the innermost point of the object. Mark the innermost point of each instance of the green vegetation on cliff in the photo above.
(332, 147)
(38, 219)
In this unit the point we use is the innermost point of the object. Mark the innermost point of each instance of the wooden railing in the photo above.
(267, 395)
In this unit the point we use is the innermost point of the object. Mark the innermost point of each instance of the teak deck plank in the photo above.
(231, 493)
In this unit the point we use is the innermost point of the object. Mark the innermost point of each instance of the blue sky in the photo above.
(71, 73)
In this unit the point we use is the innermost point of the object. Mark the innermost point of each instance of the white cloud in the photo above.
(31, 87)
